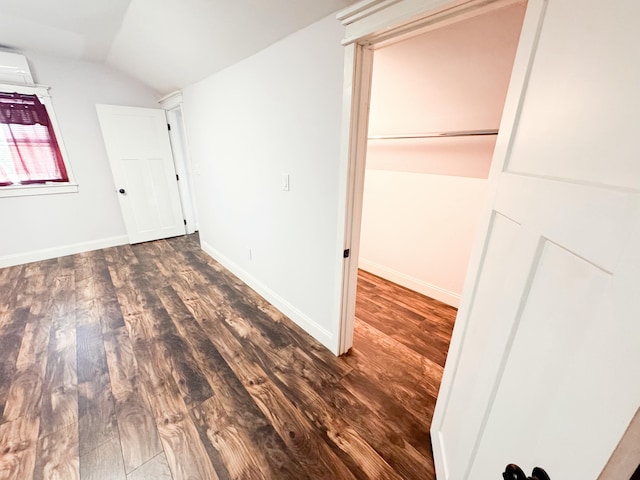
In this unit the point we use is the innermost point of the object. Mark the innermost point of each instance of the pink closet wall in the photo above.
(423, 197)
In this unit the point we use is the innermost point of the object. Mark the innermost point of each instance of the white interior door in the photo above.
(543, 366)
(139, 151)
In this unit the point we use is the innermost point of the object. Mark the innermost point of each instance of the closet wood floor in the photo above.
(152, 361)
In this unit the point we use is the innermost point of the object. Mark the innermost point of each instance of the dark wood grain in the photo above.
(11, 332)
(155, 469)
(401, 313)
(287, 418)
(103, 462)
(232, 443)
(96, 409)
(58, 455)
(152, 361)
(60, 386)
(170, 379)
(11, 279)
(25, 393)
(232, 398)
(60, 389)
(18, 444)
(136, 425)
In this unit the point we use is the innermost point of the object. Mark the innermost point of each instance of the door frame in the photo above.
(172, 105)
(373, 24)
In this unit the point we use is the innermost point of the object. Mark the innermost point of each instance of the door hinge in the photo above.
(168, 126)
(185, 221)
(177, 177)
(346, 253)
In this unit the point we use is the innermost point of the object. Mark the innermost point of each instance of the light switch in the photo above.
(285, 182)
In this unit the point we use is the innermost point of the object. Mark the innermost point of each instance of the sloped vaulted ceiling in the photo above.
(166, 44)
(78, 29)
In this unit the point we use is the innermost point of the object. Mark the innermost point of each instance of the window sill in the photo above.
(46, 189)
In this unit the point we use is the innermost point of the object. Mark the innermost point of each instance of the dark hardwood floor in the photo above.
(152, 361)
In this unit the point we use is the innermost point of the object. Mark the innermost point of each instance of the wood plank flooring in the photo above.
(152, 361)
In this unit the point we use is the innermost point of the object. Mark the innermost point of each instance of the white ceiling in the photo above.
(167, 44)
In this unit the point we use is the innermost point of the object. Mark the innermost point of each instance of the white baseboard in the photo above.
(439, 456)
(305, 322)
(415, 284)
(47, 253)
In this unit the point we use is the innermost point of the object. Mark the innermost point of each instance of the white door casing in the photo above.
(369, 25)
(183, 167)
(137, 144)
(172, 105)
(542, 368)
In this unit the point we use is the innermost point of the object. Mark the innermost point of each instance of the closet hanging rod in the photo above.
(459, 133)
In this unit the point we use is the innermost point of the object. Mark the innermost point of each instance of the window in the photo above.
(31, 157)
(29, 152)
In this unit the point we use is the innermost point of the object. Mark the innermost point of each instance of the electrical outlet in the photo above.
(285, 182)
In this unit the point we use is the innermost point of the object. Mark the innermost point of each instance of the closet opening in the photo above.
(436, 101)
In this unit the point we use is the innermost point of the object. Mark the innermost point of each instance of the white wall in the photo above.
(423, 198)
(276, 112)
(46, 226)
(422, 231)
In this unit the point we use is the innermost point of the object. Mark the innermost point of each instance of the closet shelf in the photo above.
(458, 133)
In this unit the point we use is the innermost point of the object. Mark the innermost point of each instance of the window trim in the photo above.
(49, 188)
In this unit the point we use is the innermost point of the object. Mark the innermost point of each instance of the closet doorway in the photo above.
(435, 110)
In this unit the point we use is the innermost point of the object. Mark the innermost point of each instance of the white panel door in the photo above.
(544, 366)
(139, 151)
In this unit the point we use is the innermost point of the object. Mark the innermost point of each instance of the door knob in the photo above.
(514, 472)
(122, 191)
